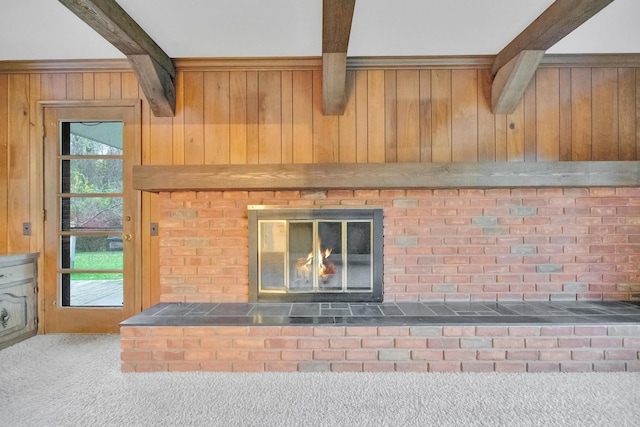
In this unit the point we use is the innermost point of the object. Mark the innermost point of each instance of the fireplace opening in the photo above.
(328, 254)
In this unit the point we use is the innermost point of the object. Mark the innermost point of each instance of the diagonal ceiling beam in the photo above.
(337, 16)
(154, 68)
(516, 64)
(512, 80)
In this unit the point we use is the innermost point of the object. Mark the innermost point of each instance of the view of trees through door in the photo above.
(92, 218)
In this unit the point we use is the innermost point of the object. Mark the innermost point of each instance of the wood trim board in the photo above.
(315, 63)
(157, 178)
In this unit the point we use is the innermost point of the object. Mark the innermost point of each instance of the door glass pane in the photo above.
(91, 247)
(301, 256)
(329, 256)
(101, 252)
(86, 292)
(359, 261)
(91, 213)
(93, 138)
(92, 176)
(272, 255)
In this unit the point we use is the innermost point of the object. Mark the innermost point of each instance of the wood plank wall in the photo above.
(403, 116)
(271, 116)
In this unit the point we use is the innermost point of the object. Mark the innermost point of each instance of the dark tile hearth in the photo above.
(386, 314)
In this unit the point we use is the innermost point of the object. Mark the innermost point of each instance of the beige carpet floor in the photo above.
(75, 380)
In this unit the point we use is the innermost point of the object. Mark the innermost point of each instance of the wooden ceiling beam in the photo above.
(337, 16)
(512, 80)
(516, 64)
(153, 67)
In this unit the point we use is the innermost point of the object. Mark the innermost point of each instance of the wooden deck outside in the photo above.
(96, 293)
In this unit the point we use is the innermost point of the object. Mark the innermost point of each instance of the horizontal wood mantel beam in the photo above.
(385, 176)
(155, 70)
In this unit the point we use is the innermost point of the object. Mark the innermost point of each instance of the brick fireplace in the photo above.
(519, 244)
(539, 250)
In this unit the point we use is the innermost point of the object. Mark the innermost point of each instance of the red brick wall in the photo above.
(453, 245)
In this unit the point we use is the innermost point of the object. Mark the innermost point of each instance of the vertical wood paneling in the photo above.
(487, 142)
(390, 116)
(102, 85)
(347, 124)
(604, 84)
(515, 134)
(441, 117)
(627, 113)
(160, 140)
(178, 122)
(565, 115)
(74, 86)
(115, 89)
(464, 115)
(581, 114)
(325, 128)
(158, 136)
(408, 116)
(426, 115)
(88, 89)
(270, 117)
(35, 166)
(53, 86)
(548, 114)
(362, 116)
(4, 176)
(129, 86)
(501, 137)
(238, 117)
(375, 117)
(158, 147)
(216, 118)
(530, 126)
(252, 118)
(149, 210)
(18, 157)
(303, 117)
(148, 133)
(287, 117)
(193, 118)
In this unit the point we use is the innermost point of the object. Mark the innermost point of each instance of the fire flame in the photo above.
(325, 267)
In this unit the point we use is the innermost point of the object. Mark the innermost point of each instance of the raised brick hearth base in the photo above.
(581, 348)
(419, 347)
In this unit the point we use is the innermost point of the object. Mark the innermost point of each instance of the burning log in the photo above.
(325, 267)
(303, 267)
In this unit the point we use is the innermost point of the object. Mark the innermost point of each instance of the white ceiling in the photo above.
(45, 29)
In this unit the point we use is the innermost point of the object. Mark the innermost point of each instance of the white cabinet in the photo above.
(18, 298)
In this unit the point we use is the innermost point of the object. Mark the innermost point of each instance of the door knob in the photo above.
(126, 237)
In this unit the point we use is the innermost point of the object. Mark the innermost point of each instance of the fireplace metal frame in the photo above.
(329, 213)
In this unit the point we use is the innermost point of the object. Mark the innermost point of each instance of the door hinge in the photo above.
(44, 214)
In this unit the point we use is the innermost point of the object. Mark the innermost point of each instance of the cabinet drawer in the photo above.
(14, 273)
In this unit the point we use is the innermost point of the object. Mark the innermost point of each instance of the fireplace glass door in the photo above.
(316, 256)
